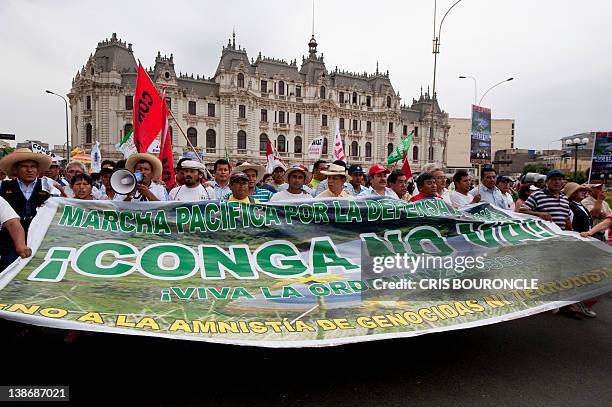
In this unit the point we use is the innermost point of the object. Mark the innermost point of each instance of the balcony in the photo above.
(281, 97)
(299, 99)
(281, 126)
(298, 127)
(263, 124)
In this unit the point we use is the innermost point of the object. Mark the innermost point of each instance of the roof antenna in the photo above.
(313, 15)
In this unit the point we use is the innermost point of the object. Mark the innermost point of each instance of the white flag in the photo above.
(315, 149)
(338, 153)
(96, 158)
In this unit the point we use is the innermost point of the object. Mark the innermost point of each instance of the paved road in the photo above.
(546, 359)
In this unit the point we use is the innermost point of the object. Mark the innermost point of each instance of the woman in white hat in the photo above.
(151, 168)
(336, 176)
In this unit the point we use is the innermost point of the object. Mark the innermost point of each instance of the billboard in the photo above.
(480, 135)
(601, 162)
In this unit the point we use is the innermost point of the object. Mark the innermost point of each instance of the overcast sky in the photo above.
(559, 52)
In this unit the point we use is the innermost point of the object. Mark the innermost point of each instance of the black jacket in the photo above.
(582, 221)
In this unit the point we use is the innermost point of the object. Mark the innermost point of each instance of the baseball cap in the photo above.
(377, 169)
(355, 169)
(503, 178)
(238, 175)
(554, 173)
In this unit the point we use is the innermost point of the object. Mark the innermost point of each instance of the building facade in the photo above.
(246, 102)
(502, 138)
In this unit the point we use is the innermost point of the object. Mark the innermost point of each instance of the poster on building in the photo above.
(601, 163)
(480, 135)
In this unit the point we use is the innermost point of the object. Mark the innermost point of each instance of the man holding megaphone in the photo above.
(140, 181)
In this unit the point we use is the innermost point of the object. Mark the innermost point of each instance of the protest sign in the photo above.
(305, 273)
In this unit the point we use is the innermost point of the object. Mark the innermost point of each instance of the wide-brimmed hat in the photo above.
(592, 185)
(8, 162)
(571, 187)
(334, 169)
(156, 165)
(193, 165)
(298, 167)
(259, 169)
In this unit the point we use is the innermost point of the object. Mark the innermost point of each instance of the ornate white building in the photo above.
(248, 101)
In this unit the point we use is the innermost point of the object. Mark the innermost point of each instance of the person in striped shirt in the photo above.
(550, 203)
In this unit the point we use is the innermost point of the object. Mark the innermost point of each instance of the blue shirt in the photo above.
(220, 192)
(491, 195)
(27, 190)
(363, 191)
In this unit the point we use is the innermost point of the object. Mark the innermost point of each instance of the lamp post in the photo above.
(576, 142)
(436, 51)
(494, 86)
(67, 138)
(475, 86)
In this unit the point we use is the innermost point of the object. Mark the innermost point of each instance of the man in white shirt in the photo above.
(503, 183)
(151, 168)
(192, 173)
(221, 183)
(378, 182)
(295, 177)
(460, 197)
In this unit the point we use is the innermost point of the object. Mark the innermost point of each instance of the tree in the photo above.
(538, 168)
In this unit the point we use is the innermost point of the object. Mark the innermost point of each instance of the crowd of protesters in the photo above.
(27, 180)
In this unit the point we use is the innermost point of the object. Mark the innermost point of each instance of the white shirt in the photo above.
(508, 201)
(458, 200)
(197, 193)
(285, 195)
(6, 212)
(389, 193)
(446, 196)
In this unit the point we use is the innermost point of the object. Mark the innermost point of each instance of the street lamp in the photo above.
(436, 51)
(475, 85)
(576, 142)
(67, 139)
(497, 84)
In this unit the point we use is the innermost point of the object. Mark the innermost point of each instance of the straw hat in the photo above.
(571, 187)
(8, 162)
(259, 169)
(156, 165)
(298, 167)
(334, 169)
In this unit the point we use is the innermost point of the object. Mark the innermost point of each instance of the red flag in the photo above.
(406, 167)
(165, 148)
(147, 111)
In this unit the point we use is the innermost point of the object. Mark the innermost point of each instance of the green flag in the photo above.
(398, 153)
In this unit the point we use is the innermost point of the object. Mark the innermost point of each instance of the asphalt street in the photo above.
(547, 359)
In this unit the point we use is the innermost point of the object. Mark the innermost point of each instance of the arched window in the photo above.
(171, 130)
(354, 149)
(281, 88)
(88, 133)
(240, 80)
(281, 145)
(127, 128)
(368, 152)
(389, 101)
(324, 151)
(322, 92)
(431, 153)
(297, 145)
(192, 136)
(389, 149)
(354, 98)
(241, 142)
(211, 141)
(263, 143)
(415, 153)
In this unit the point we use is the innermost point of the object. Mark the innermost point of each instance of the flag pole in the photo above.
(189, 142)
